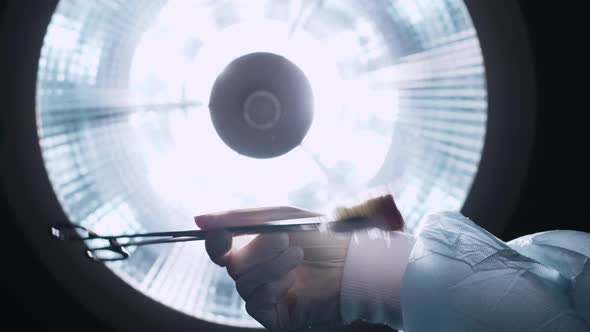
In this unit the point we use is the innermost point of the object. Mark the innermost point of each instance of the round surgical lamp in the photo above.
(113, 131)
(261, 105)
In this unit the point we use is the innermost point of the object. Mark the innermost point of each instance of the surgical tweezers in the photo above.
(116, 249)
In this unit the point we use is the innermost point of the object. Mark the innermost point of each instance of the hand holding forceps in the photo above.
(117, 244)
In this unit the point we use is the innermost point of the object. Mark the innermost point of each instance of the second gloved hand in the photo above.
(289, 281)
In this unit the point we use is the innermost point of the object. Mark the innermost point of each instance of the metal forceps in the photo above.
(116, 249)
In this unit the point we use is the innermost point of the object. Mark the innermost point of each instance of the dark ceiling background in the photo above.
(555, 193)
(556, 189)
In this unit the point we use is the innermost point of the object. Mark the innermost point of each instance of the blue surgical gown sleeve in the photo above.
(459, 277)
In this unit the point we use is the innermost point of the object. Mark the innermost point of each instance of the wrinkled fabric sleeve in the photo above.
(567, 252)
(459, 277)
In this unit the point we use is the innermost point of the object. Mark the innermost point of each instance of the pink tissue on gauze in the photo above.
(249, 217)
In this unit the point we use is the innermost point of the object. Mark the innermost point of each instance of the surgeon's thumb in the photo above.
(218, 245)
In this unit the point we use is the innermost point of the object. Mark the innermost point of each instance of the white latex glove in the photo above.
(289, 281)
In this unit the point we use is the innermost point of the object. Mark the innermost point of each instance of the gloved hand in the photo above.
(289, 281)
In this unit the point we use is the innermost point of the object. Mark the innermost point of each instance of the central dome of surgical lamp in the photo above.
(261, 105)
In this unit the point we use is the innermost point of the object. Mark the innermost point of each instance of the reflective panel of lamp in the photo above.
(139, 131)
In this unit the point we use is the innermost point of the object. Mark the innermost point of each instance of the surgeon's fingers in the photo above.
(269, 271)
(272, 292)
(218, 245)
(261, 249)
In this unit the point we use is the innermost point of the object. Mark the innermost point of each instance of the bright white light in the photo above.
(198, 173)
